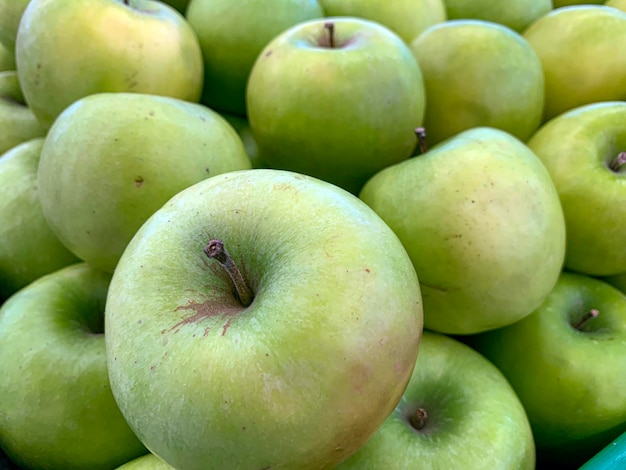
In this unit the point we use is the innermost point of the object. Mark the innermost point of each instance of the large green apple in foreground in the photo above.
(582, 55)
(56, 407)
(584, 151)
(478, 73)
(482, 223)
(111, 159)
(232, 35)
(337, 99)
(299, 364)
(516, 15)
(568, 368)
(28, 247)
(69, 49)
(458, 411)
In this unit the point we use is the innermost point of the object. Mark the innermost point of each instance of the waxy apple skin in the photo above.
(482, 223)
(303, 376)
(577, 148)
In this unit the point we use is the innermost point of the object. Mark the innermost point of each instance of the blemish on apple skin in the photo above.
(152, 367)
(367, 270)
(138, 181)
(207, 309)
(268, 53)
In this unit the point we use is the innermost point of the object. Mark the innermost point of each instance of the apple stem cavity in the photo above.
(418, 419)
(420, 132)
(216, 250)
(593, 313)
(330, 27)
(618, 162)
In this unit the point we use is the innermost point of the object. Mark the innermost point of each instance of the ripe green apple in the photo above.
(232, 35)
(296, 362)
(619, 4)
(28, 247)
(10, 17)
(580, 48)
(17, 122)
(458, 58)
(242, 126)
(516, 15)
(337, 99)
(458, 411)
(407, 18)
(70, 49)
(581, 149)
(56, 408)
(568, 368)
(111, 159)
(482, 223)
(146, 462)
(7, 58)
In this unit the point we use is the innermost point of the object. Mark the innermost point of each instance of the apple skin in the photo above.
(407, 18)
(458, 58)
(7, 58)
(111, 159)
(482, 223)
(242, 126)
(144, 47)
(12, 11)
(28, 247)
(146, 462)
(316, 363)
(339, 114)
(57, 410)
(570, 382)
(515, 15)
(576, 148)
(475, 419)
(232, 35)
(572, 44)
(619, 4)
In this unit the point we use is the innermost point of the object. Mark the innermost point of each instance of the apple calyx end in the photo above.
(420, 133)
(618, 162)
(418, 419)
(216, 250)
(593, 313)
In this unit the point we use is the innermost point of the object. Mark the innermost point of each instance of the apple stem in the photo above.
(216, 250)
(330, 27)
(420, 132)
(593, 313)
(418, 419)
(618, 161)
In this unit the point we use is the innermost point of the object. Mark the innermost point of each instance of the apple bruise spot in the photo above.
(138, 181)
(207, 309)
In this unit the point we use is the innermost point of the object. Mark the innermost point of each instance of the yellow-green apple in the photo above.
(286, 313)
(337, 99)
(10, 15)
(483, 225)
(581, 53)
(232, 34)
(567, 363)
(242, 126)
(70, 49)
(407, 18)
(17, 122)
(516, 15)
(619, 4)
(478, 73)
(146, 462)
(28, 247)
(458, 411)
(56, 409)
(111, 159)
(7, 58)
(584, 150)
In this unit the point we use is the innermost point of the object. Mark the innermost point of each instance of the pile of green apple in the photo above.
(311, 234)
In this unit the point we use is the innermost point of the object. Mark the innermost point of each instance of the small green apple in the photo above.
(568, 368)
(483, 225)
(7, 58)
(12, 11)
(28, 247)
(111, 159)
(516, 15)
(581, 149)
(582, 56)
(619, 4)
(56, 407)
(458, 58)
(337, 99)
(232, 35)
(69, 49)
(146, 462)
(290, 356)
(407, 18)
(458, 411)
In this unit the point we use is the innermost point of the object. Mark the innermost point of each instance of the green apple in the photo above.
(17, 122)
(568, 368)
(146, 462)
(482, 223)
(111, 159)
(580, 48)
(70, 49)
(337, 99)
(516, 15)
(458, 58)
(581, 149)
(287, 350)
(619, 4)
(28, 247)
(7, 58)
(12, 11)
(56, 406)
(242, 126)
(458, 411)
(232, 35)
(407, 18)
